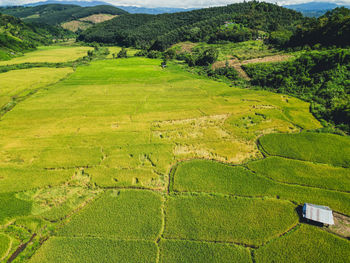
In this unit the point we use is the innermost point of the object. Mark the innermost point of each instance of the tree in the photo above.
(123, 53)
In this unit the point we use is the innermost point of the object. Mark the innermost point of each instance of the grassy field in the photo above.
(189, 251)
(11, 207)
(125, 123)
(128, 215)
(27, 80)
(50, 54)
(5, 242)
(212, 177)
(309, 146)
(94, 119)
(303, 173)
(73, 249)
(115, 50)
(246, 221)
(306, 244)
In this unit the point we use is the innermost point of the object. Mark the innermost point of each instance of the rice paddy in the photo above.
(50, 54)
(123, 161)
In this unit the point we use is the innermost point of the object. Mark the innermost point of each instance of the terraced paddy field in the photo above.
(50, 54)
(122, 161)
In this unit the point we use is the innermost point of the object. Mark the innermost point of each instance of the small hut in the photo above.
(318, 213)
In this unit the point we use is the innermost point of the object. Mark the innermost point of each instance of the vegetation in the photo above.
(303, 173)
(125, 123)
(245, 220)
(320, 77)
(189, 251)
(331, 29)
(137, 213)
(309, 146)
(4, 245)
(161, 31)
(50, 54)
(11, 207)
(73, 249)
(55, 14)
(212, 177)
(307, 243)
(17, 36)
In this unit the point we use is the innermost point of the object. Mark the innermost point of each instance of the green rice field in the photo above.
(120, 160)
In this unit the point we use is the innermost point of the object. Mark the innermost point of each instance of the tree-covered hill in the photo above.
(18, 36)
(333, 28)
(161, 31)
(55, 14)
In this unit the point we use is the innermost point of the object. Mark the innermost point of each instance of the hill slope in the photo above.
(161, 31)
(17, 36)
(55, 14)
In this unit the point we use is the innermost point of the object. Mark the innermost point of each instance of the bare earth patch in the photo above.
(341, 225)
(98, 18)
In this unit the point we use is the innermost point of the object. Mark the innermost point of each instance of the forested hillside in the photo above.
(17, 36)
(320, 77)
(161, 31)
(55, 14)
(333, 28)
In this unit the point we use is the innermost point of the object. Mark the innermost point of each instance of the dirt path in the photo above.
(237, 65)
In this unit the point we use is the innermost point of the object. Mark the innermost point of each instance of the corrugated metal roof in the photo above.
(318, 213)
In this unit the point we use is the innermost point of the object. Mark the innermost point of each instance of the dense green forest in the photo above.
(158, 32)
(321, 77)
(333, 28)
(55, 14)
(17, 36)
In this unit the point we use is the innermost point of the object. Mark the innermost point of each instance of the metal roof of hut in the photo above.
(318, 213)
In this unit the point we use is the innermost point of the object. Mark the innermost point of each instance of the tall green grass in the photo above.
(126, 214)
(303, 173)
(91, 250)
(215, 218)
(314, 147)
(189, 251)
(11, 207)
(4, 245)
(213, 177)
(306, 244)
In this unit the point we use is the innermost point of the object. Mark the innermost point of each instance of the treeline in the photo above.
(158, 32)
(55, 14)
(320, 77)
(331, 29)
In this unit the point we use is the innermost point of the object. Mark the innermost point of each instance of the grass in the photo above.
(11, 207)
(212, 177)
(27, 80)
(306, 244)
(244, 220)
(129, 214)
(188, 251)
(309, 146)
(242, 50)
(5, 242)
(126, 114)
(303, 173)
(50, 54)
(90, 250)
(14, 179)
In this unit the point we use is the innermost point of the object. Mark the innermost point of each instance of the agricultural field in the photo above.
(123, 161)
(50, 54)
